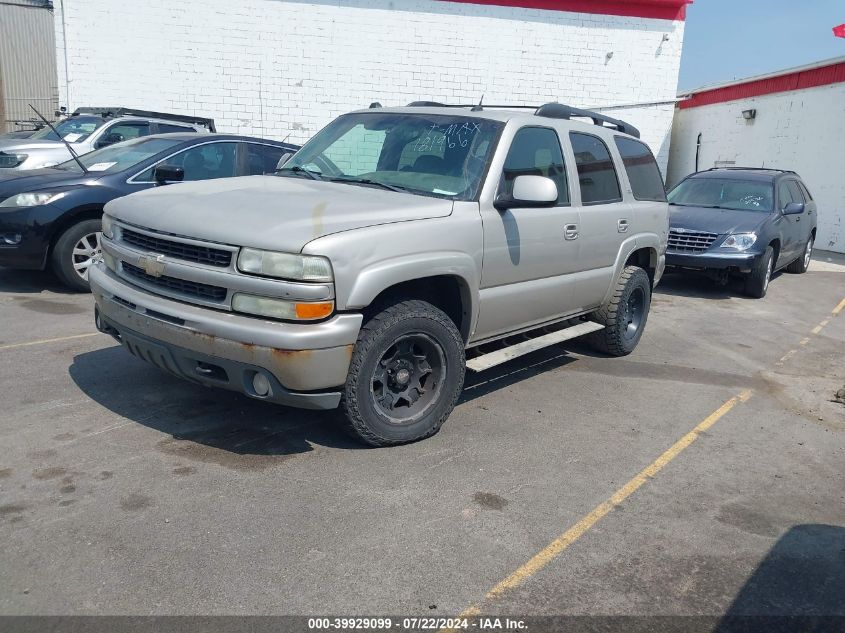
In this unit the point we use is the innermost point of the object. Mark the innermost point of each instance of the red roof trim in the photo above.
(798, 80)
(656, 9)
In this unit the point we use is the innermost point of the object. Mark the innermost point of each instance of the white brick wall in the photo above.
(801, 130)
(284, 68)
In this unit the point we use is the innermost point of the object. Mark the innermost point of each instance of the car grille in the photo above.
(179, 250)
(690, 241)
(184, 287)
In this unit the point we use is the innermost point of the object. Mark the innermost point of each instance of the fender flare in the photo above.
(631, 244)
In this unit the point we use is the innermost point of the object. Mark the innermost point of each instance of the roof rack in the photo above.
(549, 110)
(116, 112)
(783, 171)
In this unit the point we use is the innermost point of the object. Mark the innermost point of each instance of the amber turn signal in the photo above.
(314, 310)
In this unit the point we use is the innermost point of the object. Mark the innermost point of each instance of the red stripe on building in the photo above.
(799, 80)
(657, 9)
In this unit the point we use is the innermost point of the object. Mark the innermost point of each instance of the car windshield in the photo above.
(724, 193)
(121, 156)
(73, 130)
(425, 154)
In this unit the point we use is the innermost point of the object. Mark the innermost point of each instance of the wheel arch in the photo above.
(93, 211)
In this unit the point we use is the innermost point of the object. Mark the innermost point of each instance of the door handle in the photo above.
(622, 225)
(570, 232)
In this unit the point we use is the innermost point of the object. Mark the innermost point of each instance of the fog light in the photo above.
(12, 239)
(261, 384)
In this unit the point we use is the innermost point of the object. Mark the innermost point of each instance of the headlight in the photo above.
(12, 160)
(284, 265)
(739, 241)
(107, 226)
(31, 199)
(281, 309)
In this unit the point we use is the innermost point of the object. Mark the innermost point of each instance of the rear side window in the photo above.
(535, 151)
(166, 128)
(643, 173)
(596, 173)
(262, 159)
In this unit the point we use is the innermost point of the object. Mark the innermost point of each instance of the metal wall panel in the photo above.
(27, 61)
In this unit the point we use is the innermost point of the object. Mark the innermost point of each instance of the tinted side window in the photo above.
(596, 172)
(261, 159)
(806, 191)
(795, 190)
(535, 151)
(785, 194)
(642, 170)
(126, 131)
(201, 162)
(167, 128)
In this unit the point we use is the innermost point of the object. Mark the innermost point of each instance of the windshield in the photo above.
(724, 193)
(121, 156)
(73, 130)
(433, 155)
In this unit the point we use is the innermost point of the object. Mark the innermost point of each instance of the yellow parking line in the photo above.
(48, 340)
(554, 549)
(839, 308)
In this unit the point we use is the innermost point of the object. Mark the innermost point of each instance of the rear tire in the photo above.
(757, 281)
(76, 250)
(406, 374)
(801, 264)
(625, 315)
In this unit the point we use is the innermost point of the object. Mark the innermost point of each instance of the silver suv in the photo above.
(387, 256)
(88, 129)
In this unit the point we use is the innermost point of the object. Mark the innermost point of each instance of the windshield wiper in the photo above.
(367, 181)
(296, 169)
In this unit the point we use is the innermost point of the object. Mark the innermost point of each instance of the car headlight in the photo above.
(12, 160)
(284, 265)
(107, 226)
(282, 309)
(739, 241)
(31, 199)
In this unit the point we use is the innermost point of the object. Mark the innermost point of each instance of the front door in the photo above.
(792, 227)
(529, 253)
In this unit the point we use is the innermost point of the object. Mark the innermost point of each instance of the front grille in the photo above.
(179, 250)
(690, 241)
(184, 287)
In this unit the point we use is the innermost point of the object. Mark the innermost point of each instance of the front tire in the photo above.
(406, 374)
(757, 281)
(625, 315)
(76, 250)
(801, 264)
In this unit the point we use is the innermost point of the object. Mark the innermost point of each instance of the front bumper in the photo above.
(28, 237)
(742, 262)
(223, 349)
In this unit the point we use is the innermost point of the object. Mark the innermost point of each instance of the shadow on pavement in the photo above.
(31, 281)
(799, 586)
(699, 286)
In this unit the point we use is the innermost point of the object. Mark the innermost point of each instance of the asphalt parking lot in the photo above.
(701, 475)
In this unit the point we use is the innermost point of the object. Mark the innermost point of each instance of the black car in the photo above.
(744, 221)
(51, 217)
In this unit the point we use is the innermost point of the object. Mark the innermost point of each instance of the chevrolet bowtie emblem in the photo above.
(152, 264)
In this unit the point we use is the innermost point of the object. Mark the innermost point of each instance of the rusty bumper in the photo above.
(225, 349)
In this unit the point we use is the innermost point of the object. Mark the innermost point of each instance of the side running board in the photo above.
(499, 356)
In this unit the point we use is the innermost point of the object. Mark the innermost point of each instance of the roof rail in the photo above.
(561, 111)
(783, 171)
(549, 110)
(116, 112)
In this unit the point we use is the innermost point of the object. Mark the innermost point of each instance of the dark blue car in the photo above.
(741, 221)
(51, 217)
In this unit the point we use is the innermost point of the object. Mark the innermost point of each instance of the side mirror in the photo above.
(529, 191)
(793, 208)
(164, 174)
(283, 159)
(110, 139)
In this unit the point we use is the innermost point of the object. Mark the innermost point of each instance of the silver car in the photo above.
(388, 256)
(88, 129)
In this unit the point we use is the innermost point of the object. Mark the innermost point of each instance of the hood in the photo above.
(13, 182)
(721, 221)
(270, 212)
(28, 145)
